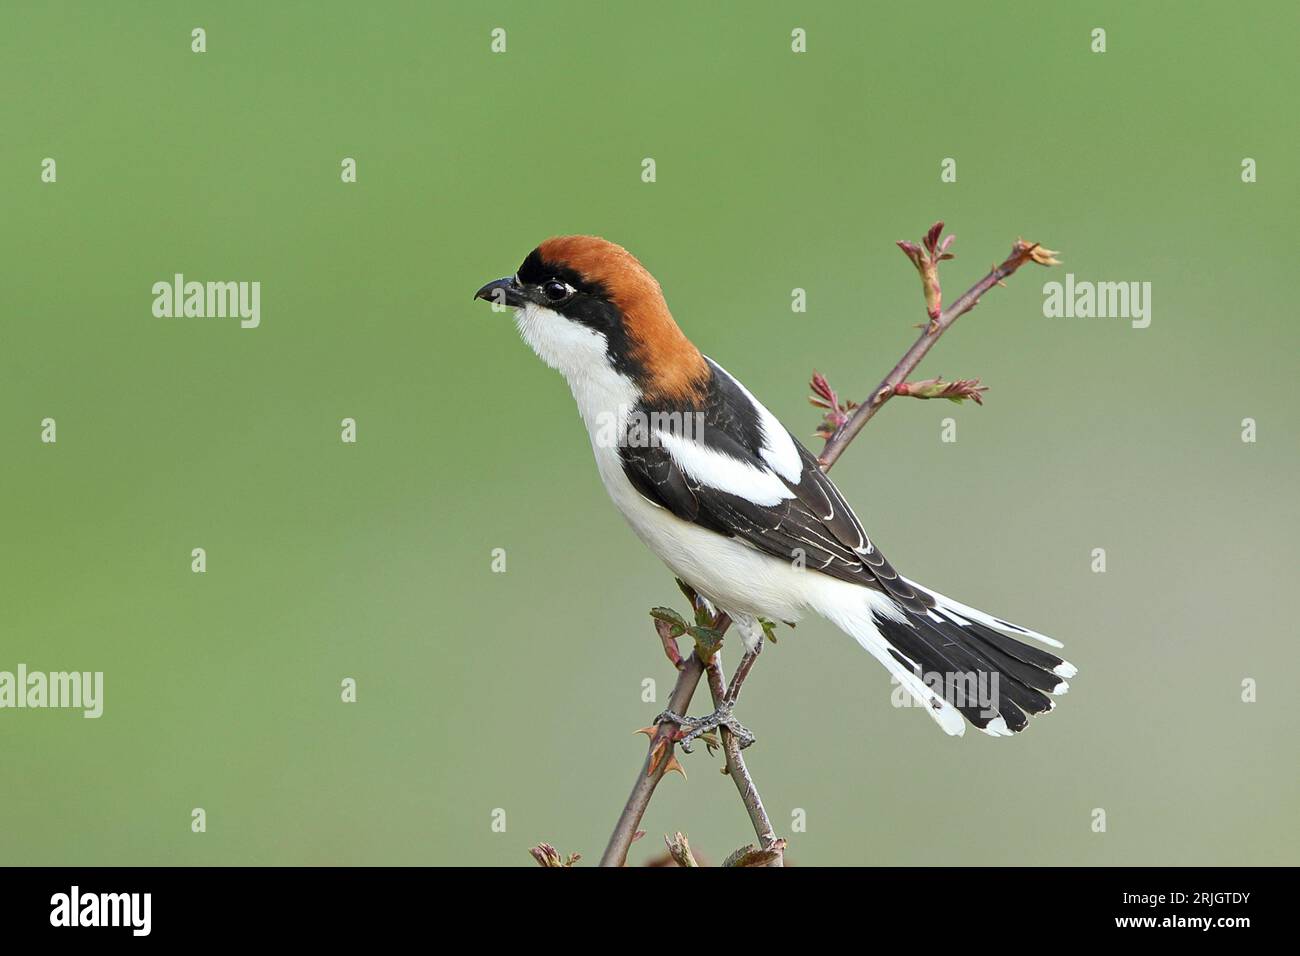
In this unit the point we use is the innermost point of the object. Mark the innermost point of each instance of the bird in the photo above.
(739, 510)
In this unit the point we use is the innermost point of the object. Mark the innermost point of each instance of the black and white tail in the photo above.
(959, 662)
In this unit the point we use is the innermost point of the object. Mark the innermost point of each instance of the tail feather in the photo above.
(1001, 652)
(1016, 680)
(860, 623)
(988, 620)
(952, 666)
(956, 661)
(1036, 664)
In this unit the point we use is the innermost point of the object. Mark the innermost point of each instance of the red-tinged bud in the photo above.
(1033, 252)
(932, 238)
(933, 294)
(837, 412)
(912, 251)
(958, 391)
(927, 262)
(822, 388)
(547, 855)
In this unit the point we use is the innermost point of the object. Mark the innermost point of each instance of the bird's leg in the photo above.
(691, 728)
(742, 671)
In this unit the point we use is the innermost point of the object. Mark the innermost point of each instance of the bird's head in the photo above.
(587, 306)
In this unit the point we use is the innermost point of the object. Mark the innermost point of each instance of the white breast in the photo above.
(732, 574)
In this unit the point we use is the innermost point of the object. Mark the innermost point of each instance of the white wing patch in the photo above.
(723, 472)
(778, 448)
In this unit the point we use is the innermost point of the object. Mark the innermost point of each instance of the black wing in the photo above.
(814, 526)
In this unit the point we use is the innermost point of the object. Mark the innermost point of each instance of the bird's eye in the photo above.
(555, 290)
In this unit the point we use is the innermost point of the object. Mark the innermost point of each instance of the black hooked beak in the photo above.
(506, 291)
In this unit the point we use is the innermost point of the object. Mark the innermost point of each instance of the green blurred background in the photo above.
(520, 690)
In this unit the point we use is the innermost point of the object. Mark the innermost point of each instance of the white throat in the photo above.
(579, 354)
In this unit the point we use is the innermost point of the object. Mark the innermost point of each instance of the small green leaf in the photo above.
(707, 640)
(670, 617)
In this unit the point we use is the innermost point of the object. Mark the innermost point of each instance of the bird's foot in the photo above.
(690, 729)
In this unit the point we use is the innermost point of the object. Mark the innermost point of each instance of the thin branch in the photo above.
(654, 767)
(739, 773)
(688, 676)
(1021, 253)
